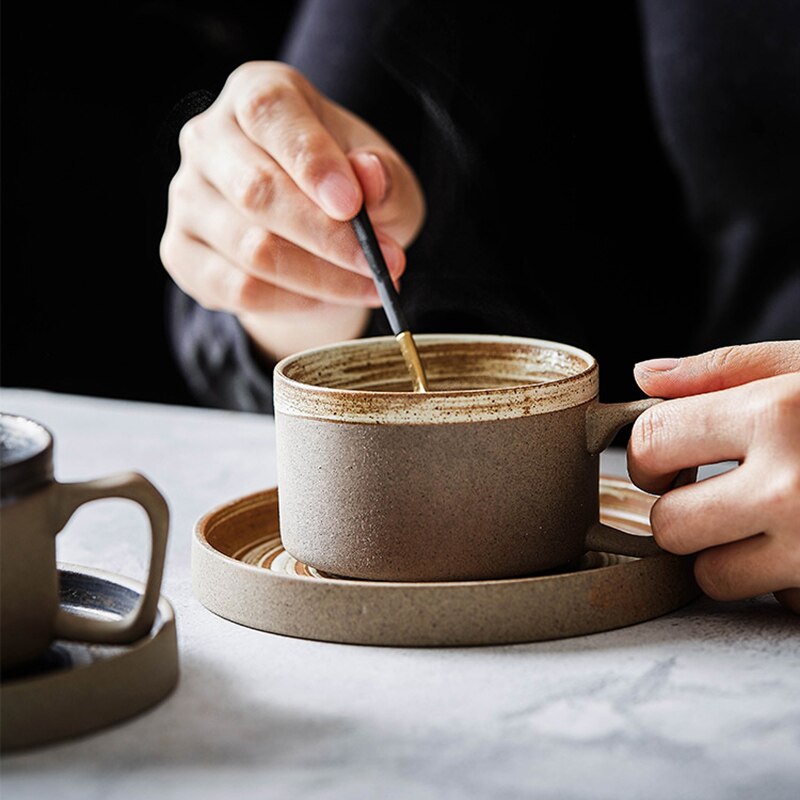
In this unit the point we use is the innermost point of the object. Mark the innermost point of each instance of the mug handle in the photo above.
(130, 486)
(603, 422)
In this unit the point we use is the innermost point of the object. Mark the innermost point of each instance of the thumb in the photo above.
(717, 369)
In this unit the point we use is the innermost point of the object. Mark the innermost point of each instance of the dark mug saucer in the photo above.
(55, 697)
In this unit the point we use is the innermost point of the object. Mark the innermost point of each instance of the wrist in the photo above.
(277, 336)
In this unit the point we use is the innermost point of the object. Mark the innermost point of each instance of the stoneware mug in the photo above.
(34, 508)
(492, 474)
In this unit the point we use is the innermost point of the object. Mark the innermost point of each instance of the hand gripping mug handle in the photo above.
(603, 422)
(136, 624)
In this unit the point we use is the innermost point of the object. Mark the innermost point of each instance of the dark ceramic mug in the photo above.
(34, 507)
(493, 474)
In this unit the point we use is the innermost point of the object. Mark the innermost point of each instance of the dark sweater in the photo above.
(621, 177)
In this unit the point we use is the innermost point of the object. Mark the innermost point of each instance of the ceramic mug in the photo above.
(34, 508)
(492, 474)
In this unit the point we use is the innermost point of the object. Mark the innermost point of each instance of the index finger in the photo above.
(689, 432)
(275, 110)
(717, 369)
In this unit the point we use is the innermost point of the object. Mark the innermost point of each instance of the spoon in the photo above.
(390, 299)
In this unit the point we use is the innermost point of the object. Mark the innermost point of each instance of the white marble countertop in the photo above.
(701, 703)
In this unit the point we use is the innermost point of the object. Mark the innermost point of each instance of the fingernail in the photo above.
(373, 176)
(659, 364)
(338, 196)
(393, 253)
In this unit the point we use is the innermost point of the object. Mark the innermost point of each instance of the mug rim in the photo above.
(293, 397)
(35, 469)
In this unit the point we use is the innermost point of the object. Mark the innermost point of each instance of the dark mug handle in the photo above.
(603, 422)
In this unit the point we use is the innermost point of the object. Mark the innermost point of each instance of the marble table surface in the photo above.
(701, 703)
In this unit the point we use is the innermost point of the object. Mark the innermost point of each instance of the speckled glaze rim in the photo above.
(575, 382)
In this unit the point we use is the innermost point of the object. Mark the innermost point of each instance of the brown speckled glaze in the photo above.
(495, 480)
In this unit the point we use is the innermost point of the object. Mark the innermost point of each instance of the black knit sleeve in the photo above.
(216, 357)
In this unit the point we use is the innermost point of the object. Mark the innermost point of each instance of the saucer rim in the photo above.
(258, 598)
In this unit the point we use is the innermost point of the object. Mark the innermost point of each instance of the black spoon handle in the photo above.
(383, 281)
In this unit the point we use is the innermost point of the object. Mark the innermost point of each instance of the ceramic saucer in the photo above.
(241, 572)
(77, 688)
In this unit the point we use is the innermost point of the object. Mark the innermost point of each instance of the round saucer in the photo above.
(241, 572)
(75, 687)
